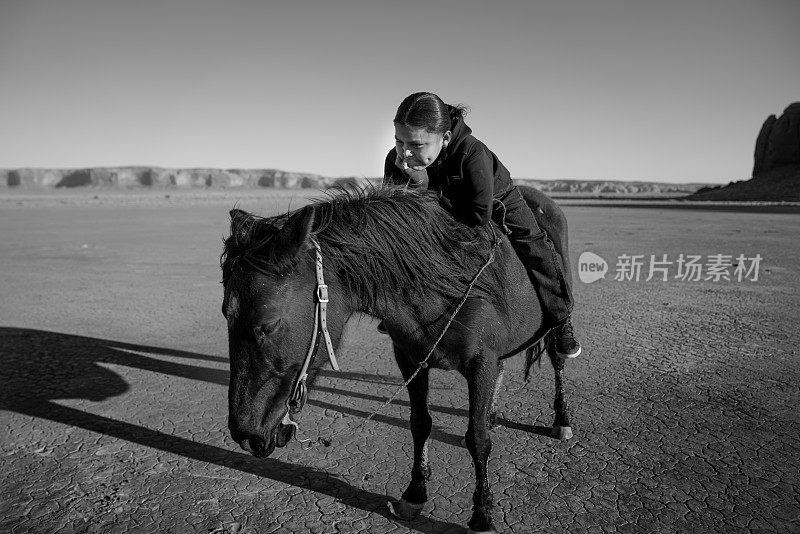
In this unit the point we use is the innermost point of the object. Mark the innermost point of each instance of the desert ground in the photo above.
(113, 356)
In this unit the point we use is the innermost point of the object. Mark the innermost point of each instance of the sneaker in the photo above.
(382, 328)
(565, 343)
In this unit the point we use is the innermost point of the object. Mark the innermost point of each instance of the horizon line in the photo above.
(517, 178)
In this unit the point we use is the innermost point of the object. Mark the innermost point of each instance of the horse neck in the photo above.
(521, 313)
(515, 320)
(391, 307)
(395, 309)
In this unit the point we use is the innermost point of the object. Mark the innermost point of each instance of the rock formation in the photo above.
(612, 188)
(776, 165)
(778, 142)
(157, 177)
(161, 178)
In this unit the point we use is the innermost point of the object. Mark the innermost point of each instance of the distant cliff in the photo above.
(778, 142)
(610, 187)
(776, 164)
(777, 185)
(158, 177)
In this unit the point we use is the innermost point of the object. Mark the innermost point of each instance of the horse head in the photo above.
(268, 304)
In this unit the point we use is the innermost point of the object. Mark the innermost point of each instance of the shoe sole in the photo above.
(570, 356)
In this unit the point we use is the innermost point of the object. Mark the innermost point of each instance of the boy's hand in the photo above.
(418, 177)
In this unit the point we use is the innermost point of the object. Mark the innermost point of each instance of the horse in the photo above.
(401, 257)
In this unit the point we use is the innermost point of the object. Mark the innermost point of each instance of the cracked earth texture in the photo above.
(114, 388)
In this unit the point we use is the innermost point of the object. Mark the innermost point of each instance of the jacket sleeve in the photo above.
(477, 194)
(391, 174)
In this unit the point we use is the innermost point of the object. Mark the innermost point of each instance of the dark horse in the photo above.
(399, 256)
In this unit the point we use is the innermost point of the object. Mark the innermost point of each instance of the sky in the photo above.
(671, 91)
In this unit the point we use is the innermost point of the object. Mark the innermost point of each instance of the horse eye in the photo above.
(262, 331)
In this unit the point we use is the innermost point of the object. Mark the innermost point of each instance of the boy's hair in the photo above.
(427, 110)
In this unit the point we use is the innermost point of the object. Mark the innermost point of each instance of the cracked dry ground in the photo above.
(114, 389)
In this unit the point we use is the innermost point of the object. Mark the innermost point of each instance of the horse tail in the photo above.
(533, 354)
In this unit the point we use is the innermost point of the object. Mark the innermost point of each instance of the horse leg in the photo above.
(561, 426)
(481, 378)
(495, 394)
(415, 496)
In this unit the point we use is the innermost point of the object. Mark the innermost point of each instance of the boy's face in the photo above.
(417, 147)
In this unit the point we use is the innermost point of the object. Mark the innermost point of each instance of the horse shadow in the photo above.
(39, 367)
(540, 430)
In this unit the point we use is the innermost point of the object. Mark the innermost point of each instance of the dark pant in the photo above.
(538, 255)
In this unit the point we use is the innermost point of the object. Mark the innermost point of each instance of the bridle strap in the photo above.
(321, 306)
(298, 394)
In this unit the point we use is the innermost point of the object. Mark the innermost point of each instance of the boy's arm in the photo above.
(394, 175)
(478, 189)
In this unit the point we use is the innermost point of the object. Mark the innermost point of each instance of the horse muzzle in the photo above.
(261, 448)
(257, 447)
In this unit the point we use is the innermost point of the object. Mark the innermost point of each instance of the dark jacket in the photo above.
(467, 173)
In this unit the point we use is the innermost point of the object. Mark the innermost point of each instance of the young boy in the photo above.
(435, 149)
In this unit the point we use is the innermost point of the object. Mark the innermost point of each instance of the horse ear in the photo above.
(236, 213)
(294, 235)
(237, 216)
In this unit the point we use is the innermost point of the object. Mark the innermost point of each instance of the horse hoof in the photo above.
(562, 432)
(402, 509)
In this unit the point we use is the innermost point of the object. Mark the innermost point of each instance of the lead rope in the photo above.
(424, 363)
(502, 221)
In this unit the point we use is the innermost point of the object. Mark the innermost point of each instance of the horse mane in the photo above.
(381, 243)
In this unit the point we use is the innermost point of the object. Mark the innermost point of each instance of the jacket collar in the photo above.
(458, 133)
